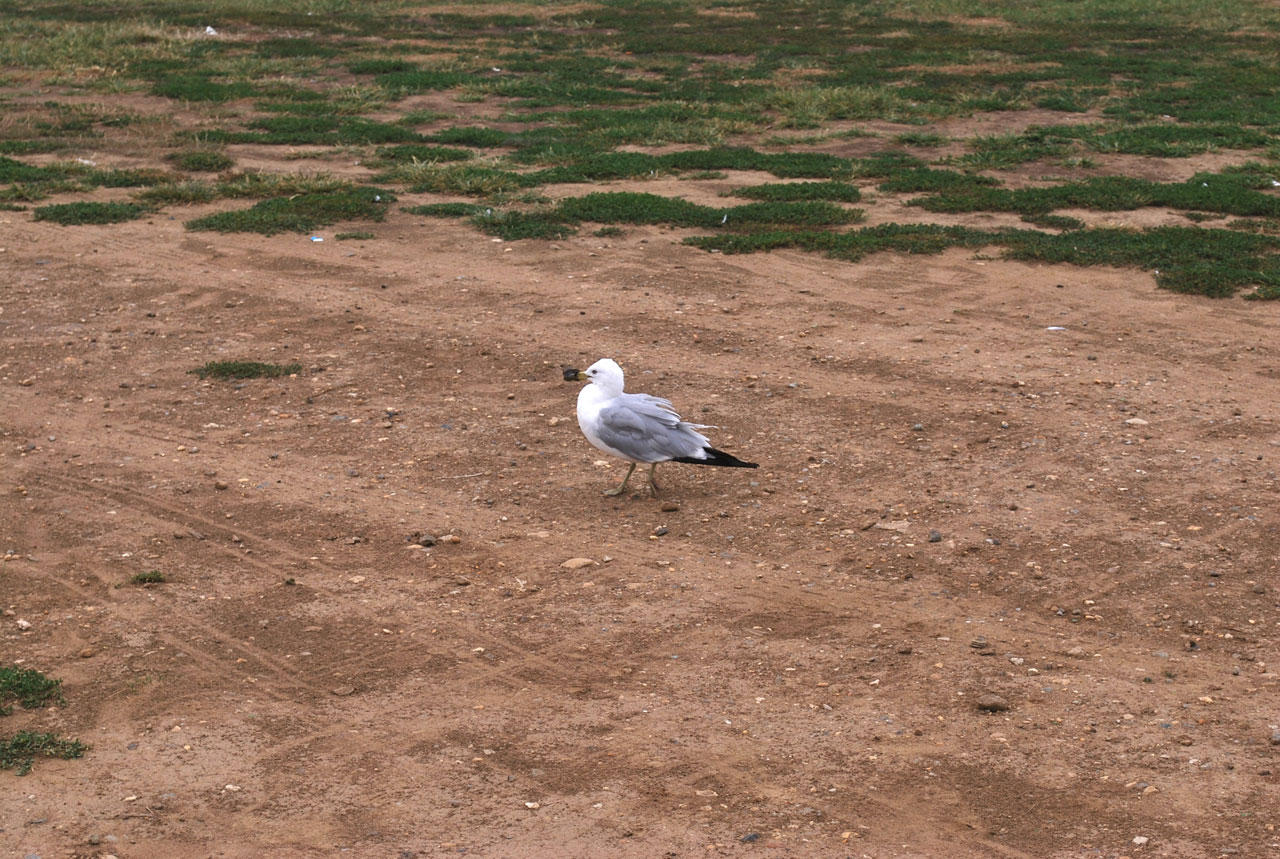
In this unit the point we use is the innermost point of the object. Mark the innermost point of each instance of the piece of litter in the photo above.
(209, 31)
(1055, 328)
(316, 239)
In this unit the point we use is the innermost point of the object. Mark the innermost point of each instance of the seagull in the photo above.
(639, 428)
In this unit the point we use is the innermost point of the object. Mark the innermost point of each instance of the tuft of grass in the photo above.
(28, 687)
(302, 213)
(445, 210)
(19, 752)
(245, 370)
(344, 237)
(1054, 222)
(149, 577)
(922, 138)
(202, 161)
(178, 193)
(71, 214)
(473, 180)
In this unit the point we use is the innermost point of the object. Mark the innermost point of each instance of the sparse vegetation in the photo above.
(245, 370)
(28, 687)
(20, 751)
(148, 577)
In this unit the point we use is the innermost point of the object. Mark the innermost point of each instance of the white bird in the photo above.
(637, 427)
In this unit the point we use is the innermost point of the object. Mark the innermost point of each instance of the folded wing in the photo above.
(647, 429)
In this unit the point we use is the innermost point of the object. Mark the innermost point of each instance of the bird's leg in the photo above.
(623, 488)
(653, 486)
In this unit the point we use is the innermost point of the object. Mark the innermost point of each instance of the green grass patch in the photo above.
(72, 214)
(410, 152)
(245, 370)
(1226, 193)
(915, 179)
(148, 577)
(1054, 222)
(302, 213)
(633, 208)
(202, 161)
(1212, 262)
(202, 88)
(20, 751)
(841, 192)
(523, 225)
(472, 135)
(346, 237)
(28, 687)
(446, 210)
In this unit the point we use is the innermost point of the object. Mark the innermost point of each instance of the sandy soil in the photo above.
(778, 662)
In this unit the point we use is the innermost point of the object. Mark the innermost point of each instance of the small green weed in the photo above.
(346, 237)
(28, 687)
(19, 752)
(245, 370)
(150, 577)
(71, 214)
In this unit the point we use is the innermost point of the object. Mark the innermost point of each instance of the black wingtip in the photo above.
(717, 457)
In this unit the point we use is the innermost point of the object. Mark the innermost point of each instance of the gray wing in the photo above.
(647, 429)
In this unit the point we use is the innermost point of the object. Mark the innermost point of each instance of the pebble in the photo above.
(670, 507)
(221, 484)
(992, 703)
(1275, 738)
(577, 563)
(1137, 422)
(1077, 652)
(979, 643)
(935, 536)
(1140, 840)
(343, 691)
(422, 538)
(24, 624)
(87, 652)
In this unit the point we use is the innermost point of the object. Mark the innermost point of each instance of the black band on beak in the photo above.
(571, 375)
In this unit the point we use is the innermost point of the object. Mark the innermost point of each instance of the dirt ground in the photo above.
(1042, 488)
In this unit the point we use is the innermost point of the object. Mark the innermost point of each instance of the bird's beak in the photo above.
(572, 375)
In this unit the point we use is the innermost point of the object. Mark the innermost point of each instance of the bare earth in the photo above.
(784, 664)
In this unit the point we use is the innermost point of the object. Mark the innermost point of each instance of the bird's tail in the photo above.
(717, 457)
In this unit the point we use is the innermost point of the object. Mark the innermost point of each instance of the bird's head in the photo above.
(606, 373)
